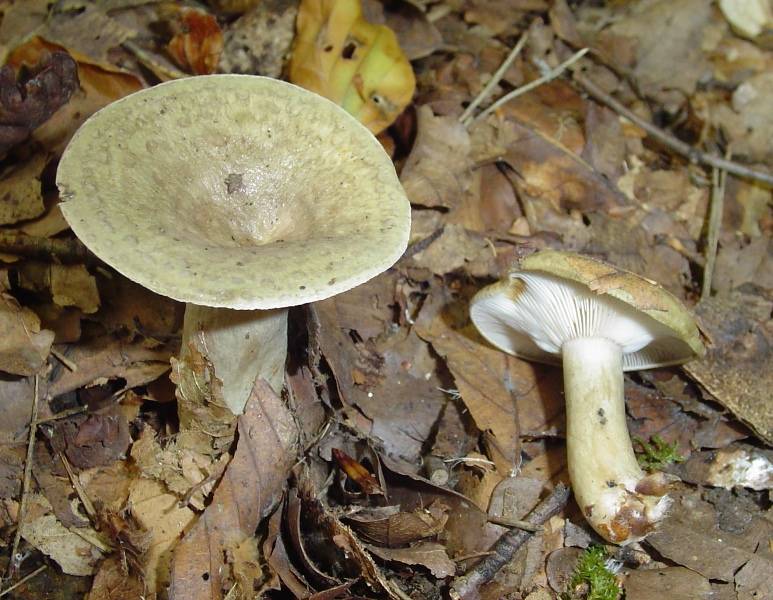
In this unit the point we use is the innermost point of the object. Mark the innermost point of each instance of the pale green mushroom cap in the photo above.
(234, 191)
(556, 296)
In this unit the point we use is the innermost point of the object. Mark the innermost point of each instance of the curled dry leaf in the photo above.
(197, 42)
(109, 358)
(249, 490)
(431, 555)
(24, 347)
(389, 526)
(357, 473)
(20, 195)
(340, 55)
(25, 104)
(96, 440)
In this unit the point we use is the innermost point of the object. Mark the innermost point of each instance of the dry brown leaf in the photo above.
(109, 358)
(738, 367)
(20, 195)
(417, 36)
(387, 379)
(458, 248)
(197, 41)
(438, 170)
(24, 347)
(691, 537)
(98, 87)
(109, 485)
(70, 551)
(92, 441)
(489, 381)
(249, 490)
(89, 34)
(674, 583)
(427, 554)
(388, 526)
(658, 31)
(158, 511)
(112, 582)
(73, 285)
(16, 397)
(259, 41)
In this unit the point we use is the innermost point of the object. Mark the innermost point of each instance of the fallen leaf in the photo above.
(736, 466)
(24, 347)
(20, 195)
(16, 397)
(159, 512)
(343, 57)
(438, 169)
(736, 369)
(70, 551)
(98, 87)
(427, 554)
(108, 358)
(457, 248)
(674, 583)
(197, 41)
(92, 441)
(417, 35)
(112, 582)
(73, 285)
(248, 491)
(391, 527)
(259, 41)
(28, 103)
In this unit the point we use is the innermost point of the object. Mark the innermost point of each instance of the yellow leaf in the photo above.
(359, 65)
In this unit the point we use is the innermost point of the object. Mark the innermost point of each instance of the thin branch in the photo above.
(64, 250)
(718, 178)
(692, 154)
(14, 563)
(23, 580)
(468, 584)
(466, 117)
(549, 76)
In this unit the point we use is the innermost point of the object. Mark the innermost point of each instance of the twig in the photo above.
(23, 580)
(467, 585)
(466, 117)
(13, 565)
(64, 414)
(516, 523)
(694, 155)
(64, 360)
(66, 251)
(549, 76)
(718, 178)
(76, 484)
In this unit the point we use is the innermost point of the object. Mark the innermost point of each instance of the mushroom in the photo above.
(240, 196)
(598, 321)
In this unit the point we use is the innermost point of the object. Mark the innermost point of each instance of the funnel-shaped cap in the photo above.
(234, 191)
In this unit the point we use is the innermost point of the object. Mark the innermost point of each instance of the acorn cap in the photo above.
(234, 191)
(556, 296)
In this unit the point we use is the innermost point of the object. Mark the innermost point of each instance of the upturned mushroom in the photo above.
(598, 321)
(240, 196)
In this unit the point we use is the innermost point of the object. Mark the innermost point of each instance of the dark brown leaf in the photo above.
(250, 488)
(26, 103)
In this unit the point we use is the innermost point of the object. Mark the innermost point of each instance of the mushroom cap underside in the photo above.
(556, 296)
(234, 191)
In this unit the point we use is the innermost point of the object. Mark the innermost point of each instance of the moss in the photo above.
(591, 578)
(657, 453)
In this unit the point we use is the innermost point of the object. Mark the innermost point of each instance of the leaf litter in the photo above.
(403, 447)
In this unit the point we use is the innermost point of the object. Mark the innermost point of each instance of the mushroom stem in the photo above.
(619, 501)
(241, 345)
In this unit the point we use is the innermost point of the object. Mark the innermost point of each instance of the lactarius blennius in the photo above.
(598, 321)
(240, 196)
